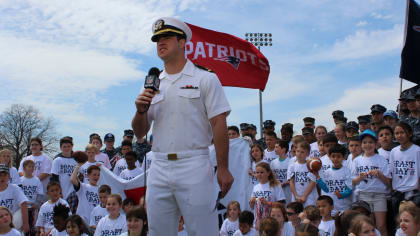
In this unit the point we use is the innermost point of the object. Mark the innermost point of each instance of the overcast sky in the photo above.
(83, 62)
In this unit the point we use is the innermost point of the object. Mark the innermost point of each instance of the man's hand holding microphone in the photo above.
(151, 86)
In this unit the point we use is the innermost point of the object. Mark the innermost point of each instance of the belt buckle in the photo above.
(172, 157)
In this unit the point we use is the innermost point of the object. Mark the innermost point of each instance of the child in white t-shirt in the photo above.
(12, 197)
(61, 171)
(32, 187)
(90, 151)
(355, 149)
(45, 215)
(132, 170)
(86, 193)
(114, 223)
(121, 164)
(265, 193)
(100, 156)
(43, 163)
(325, 205)
(269, 153)
(6, 159)
(278, 212)
(336, 181)
(100, 210)
(6, 224)
(279, 167)
(60, 215)
(75, 226)
(302, 182)
(231, 224)
(385, 136)
(312, 215)
(136, 222)
(246, 219)
(405, 162)
(371, 174)
(257, 155)
(328, 141)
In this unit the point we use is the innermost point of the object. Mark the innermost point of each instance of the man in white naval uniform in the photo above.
(189, 110)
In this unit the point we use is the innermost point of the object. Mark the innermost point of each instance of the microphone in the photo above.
(152, 80)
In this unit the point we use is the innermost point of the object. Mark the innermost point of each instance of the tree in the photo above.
(20, 123)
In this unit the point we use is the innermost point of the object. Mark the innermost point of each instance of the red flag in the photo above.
(236, 62)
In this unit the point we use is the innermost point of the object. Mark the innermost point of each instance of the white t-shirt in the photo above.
(399, 232)
(271, 194)
(55, 232)
(405, 168)
(328, 227)
(83, 170)
(288, 229)
(314, 150)
(12, 197)
(14, 176)
(63, 167)
(131, 174)
(149, 157)
(279, 168)
(31, 188)
(43, 165)
(122, 165)
(252, 232)
(108, 227)
(270, 155)
(88, 199)
(350, 160)
(229, 228)
(104, 159)
(97, 213)
(365, 164)
(302, 180)
(386, 154)
(338, 180)
(254, 169)
(326, 162)
(45, 215)
(13, 232)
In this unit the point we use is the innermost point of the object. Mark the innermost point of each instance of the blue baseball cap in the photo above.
(368, 132)
(391, 113)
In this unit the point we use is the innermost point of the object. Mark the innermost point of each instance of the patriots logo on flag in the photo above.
(233, 61)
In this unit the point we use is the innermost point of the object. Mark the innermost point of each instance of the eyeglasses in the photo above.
(290, 213)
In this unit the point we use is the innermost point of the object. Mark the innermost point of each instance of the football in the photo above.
(80, 157)
(314, 164)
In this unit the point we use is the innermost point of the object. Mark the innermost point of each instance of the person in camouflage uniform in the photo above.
(377, 111)
(268, 126)
(403, 111)
(413, 118)
(140, 147)
(252, 131)
(109, 149)
(364, 122)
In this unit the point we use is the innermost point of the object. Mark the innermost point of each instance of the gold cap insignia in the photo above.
(158, 25)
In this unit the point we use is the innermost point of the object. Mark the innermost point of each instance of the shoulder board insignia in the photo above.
(203, 68)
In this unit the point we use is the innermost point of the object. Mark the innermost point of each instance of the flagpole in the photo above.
(259, 40)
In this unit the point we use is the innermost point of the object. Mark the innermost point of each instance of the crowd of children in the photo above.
(367, 184)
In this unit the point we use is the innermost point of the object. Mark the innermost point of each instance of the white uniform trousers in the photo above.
(181, 187)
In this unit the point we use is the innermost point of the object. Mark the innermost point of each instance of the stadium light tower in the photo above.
(260, 40)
